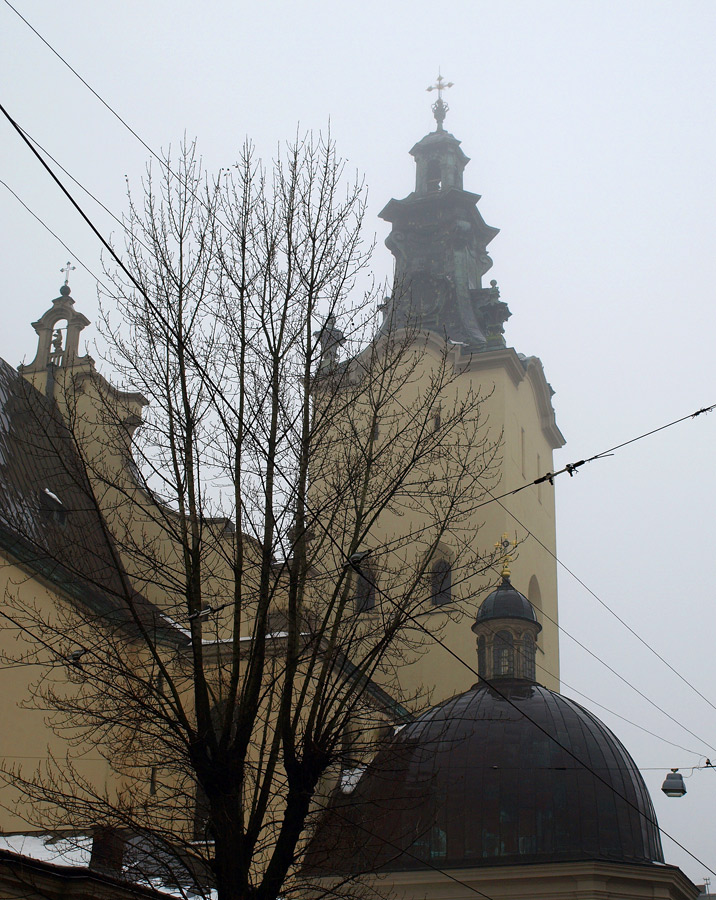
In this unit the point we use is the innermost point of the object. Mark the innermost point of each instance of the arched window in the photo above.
(528, 657)
(365, 591)
(503, 654)
(58, 345)
(534, 594)
(441, 582)
(433, 178)
(481, 656)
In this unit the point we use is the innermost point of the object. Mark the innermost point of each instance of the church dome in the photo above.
(506, 602)
(488, 778)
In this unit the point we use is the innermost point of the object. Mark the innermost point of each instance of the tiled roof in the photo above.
(49, 522)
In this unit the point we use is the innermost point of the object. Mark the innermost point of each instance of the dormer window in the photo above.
(53, 509)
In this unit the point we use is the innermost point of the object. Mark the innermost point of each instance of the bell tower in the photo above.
(439, 240)
(58, 331)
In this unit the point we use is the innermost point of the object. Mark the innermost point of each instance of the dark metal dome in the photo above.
(478, 781)
(506, 602)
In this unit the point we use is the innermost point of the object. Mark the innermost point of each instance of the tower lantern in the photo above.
(439, 241)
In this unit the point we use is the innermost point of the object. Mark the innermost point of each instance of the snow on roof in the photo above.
(71, 850)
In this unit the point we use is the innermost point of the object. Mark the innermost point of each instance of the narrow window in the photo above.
(534, 594)
(481, 656)
(433, 176)
(504, 657)
(522, 452)
(365, 592)
(539, 473)
(202, 816)
(528, 657)
(441, 582)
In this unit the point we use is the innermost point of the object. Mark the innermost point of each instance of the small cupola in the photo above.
(506, 627)
(440, 161)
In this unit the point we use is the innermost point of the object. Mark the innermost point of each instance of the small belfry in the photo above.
(58, 331)
(439, 240)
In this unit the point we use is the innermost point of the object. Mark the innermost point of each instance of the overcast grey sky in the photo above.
(592, 132)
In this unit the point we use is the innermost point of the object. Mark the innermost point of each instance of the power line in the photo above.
(163, 162)
(88, 86)
(595, 595)
(54, 235)
(105, 243)
(87, 191)
(625, 719)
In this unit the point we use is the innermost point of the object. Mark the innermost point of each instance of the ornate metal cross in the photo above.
(440, 86)
(503, 550)
(440, 107)
(67, 269)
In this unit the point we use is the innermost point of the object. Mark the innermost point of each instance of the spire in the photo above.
(439, 240)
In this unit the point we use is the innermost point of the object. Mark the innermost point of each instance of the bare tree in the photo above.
(273, 524)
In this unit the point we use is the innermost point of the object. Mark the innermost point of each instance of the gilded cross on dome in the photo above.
(67, 269)
(440, 107)
(503, 550)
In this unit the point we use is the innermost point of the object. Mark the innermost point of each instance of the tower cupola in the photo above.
(439, 241)
(439, 163)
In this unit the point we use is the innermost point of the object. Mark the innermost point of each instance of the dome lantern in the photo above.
(506, 627)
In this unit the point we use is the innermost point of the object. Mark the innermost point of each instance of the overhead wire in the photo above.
(54, 234)
(97, 95)
(122, 224)
(603, 603)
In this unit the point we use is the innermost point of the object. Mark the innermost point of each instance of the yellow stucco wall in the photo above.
(517, 413)
(26, 739)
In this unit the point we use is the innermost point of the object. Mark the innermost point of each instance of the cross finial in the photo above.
(503, 548)
(67, 269)
(440, 107)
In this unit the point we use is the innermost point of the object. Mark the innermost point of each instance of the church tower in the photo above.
(439, 240)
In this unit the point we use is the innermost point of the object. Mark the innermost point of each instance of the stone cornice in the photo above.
(518, 369)
(581, 880)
